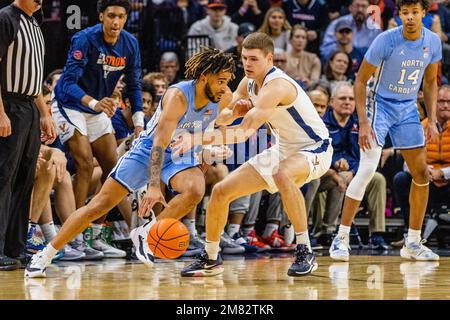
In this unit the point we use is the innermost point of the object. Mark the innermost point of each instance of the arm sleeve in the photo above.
(378, 50)
(6, 34)
(133, 80)
(76, 61)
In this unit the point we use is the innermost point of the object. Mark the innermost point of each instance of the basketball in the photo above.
(168, 238)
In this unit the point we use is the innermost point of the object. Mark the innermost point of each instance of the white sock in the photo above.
(270, 228)
(212, 249)
(246, 230)
(190, 225)
(344, 230)
(49, 231)
(49, 252)
(233, 228)
(413, 236)
(96, 230)
(303, 238)
(31, 224)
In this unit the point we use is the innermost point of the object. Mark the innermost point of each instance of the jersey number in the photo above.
(414, 76)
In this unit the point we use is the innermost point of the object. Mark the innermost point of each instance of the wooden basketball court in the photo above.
(261, 277)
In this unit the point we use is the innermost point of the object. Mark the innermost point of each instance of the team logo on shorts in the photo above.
(63, 128)
(316, 161)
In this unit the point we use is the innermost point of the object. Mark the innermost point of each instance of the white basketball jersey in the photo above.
(297, 124)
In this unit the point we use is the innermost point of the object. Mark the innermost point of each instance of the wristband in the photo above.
(92, 104)
(138, 119)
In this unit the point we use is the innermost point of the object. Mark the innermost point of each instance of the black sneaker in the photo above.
(305, 262)
(376, 242)
(203, 267)
(8, 264)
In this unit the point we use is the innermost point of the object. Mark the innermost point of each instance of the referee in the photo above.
(23, 114)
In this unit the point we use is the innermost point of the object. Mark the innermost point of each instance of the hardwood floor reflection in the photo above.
(364, 277)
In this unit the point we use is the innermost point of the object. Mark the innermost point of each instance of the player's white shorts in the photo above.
(67, 120)
(267, 162)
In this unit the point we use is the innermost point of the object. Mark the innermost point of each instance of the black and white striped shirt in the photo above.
(21, 52)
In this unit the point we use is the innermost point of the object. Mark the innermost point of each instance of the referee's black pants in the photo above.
(18, 157)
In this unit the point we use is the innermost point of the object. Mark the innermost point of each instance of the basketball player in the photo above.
(399, 58)
(98, 57)
(189, 105)
(302, 152)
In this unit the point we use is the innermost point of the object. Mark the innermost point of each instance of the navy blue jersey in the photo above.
(94, 67)
(344, 139)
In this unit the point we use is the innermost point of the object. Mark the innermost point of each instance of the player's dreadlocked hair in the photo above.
(209, 60)
(425, 3)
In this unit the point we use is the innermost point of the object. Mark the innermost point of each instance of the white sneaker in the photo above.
(108, 250)
(340, 247)
(417, 251)
(139, 238)
(37, 265)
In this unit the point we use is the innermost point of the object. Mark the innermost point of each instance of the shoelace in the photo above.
(301, 254)
(421, 248)
(227, 239)
(201, 259)
(345, 241)
(37, 258)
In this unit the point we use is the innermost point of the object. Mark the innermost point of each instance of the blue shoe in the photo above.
(34, 242)
(315, 245)
(305, 262)
(59, 255)
(242, 242)
(203, 267)
(195, 247)
(376, 242)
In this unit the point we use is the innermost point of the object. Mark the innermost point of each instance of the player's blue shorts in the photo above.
(400, 120)
(132, 169)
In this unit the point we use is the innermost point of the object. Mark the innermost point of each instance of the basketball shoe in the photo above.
(139, 238)
(305, 262)
(203, 267)
(229, 246)
(254, 240)
(340, 247)
(275, 240)
(36, 267)
(195, 247)
(34, 242)
(89, 253)
(109, 251)
(238, 239)
(417, 251)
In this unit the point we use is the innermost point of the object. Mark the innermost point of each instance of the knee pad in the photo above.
(368, 164)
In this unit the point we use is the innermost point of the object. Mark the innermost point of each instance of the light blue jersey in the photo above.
(401, 63)
(392, 91)
(132, 169)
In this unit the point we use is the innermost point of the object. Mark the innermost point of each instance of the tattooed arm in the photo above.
(174, 106)
(276, 92)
